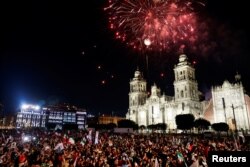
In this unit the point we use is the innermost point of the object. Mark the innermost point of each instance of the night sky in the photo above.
(62, 51)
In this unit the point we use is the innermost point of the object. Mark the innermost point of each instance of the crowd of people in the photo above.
(38, 148)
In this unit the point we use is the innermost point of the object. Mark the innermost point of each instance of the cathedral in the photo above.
(228, 104)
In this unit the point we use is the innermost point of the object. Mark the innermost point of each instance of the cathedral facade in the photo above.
(230, 105)
(159, 108)
(156, 108)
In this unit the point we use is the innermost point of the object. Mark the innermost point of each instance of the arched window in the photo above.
(182, 94)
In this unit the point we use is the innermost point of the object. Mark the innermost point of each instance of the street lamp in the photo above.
(224, 108)
(235, 122)
(152, 116)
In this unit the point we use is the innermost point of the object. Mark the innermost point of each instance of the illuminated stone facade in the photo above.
(229, 105)
(159, 108)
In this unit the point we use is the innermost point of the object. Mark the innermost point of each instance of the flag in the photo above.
(59, 147)
(74, 164)
(96, 137)
(179, 141)
(89, 136)
(83, 141)
(156, 163)
(3, 136)
(189, 146)
(71, 141)
(242, 137)
(181, 158)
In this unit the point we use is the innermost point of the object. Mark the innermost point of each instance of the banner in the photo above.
(96, 137)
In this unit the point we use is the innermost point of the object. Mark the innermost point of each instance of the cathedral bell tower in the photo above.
(186, 87)
(137, 95)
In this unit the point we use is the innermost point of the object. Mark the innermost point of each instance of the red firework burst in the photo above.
(153, 24)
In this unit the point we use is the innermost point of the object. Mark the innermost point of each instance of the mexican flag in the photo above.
(181, 158)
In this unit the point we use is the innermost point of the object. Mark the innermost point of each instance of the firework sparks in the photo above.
(153, 24)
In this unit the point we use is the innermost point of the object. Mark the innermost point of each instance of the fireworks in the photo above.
(153, 24)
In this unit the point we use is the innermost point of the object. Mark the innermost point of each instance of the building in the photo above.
(228, 104)
(105, 119)
(7, 122)
(57, 116)
(91, 120)
(159, 108)
(65, 115)
(30, 116)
